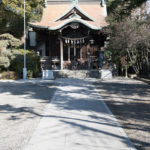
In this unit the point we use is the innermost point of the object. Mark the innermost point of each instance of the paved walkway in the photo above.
(77, 119)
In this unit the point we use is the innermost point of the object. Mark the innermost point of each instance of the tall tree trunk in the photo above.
(135, 68)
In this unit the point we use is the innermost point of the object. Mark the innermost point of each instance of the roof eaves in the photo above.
(37, 26)
(75, 20)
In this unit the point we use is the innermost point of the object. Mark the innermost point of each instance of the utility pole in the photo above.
(24, 69)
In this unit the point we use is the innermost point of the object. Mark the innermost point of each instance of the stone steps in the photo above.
(76, 74)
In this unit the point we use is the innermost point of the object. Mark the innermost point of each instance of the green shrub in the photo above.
(9, 40)
(4, 43)
(6, 53)
(5, 58)
(32, 63)
(17, 64)
(30, 73)
(14, 61)
(4, 62)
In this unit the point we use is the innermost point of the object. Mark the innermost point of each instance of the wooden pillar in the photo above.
(68, 52)
(88, 56)
(81, 54)
(43, 47)
(74, 49)
(61, 54)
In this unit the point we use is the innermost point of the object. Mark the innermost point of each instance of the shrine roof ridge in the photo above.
(67, 22)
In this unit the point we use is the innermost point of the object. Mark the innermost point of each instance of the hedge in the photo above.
(32, 63)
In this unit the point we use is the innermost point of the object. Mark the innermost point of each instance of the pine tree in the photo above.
(12, 14)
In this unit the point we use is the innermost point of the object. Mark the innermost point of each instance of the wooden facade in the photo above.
(71, 35)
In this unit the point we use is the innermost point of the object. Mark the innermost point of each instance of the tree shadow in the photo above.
(75, 96)
(130, 103)
(40, 91)
(30, 98)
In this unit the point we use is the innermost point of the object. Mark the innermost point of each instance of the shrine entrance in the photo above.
(71, 38)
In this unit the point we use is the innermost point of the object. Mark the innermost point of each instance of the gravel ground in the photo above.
(21, 107)
(129, 100)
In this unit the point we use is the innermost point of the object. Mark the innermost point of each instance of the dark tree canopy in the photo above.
(121, 8)
(12, 15)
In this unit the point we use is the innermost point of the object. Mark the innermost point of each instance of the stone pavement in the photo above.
(21, 105)
(78, 119)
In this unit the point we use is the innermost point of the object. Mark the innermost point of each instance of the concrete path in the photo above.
(78, 119)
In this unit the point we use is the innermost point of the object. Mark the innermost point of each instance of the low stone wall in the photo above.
(52, 74)
(82, 74)
(71, 74)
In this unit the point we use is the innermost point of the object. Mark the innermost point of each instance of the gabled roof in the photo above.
(56, 17)
(77, 10)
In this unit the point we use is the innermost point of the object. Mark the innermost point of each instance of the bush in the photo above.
(29, 73)
(4, 43)
(14, 61)
(6, 53)
(32, 63)
(5, 58)
(4, 62)
(9, 40)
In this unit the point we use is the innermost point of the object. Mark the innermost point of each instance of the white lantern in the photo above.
(83, 41)
(92, 41)
(71, 41)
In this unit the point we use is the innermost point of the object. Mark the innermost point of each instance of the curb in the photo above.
(143, 80)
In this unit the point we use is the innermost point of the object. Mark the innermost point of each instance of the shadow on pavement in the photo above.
(130, 102)
(75, 99)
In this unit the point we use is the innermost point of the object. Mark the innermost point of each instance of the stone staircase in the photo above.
(76, 74)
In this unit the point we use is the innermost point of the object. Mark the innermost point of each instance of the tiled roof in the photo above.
(52, 13)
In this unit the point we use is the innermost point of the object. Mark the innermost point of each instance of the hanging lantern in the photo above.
(78, 42)
(66, 41)
(92, 41)
(71, 41)
(83, 41)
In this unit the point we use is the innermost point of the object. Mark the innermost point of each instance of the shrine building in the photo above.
(71, 34)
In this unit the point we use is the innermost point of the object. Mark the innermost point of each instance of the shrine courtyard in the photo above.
(71, 114)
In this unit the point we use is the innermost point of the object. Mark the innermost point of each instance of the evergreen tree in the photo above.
(121, 8)
(12, 15)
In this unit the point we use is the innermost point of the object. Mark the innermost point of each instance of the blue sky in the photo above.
(148, 6)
